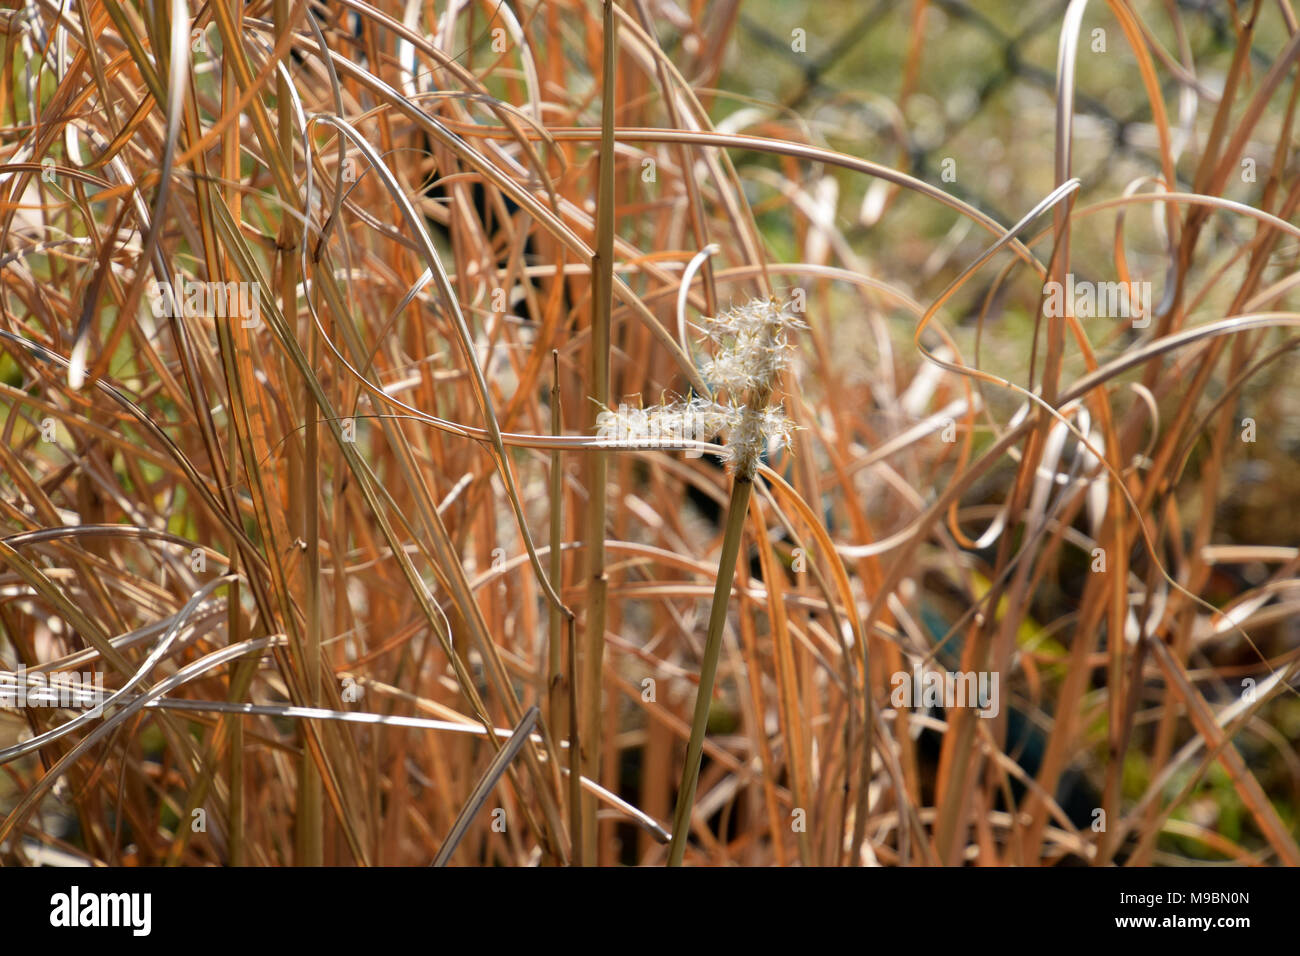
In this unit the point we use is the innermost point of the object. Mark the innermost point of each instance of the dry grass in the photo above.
(333, 560)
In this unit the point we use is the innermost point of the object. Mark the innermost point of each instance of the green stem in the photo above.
(739, 504)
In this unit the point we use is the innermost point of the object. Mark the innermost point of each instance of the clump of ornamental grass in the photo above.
(278, 541)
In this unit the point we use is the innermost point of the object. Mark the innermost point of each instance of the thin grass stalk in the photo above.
(310, 825)
(555, 690)
(236, 822)
(732, 537)
(788, 710)
(575, 747)
(485, 786)
(602, 301)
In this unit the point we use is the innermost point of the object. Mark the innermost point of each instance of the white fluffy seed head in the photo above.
(751, 348)
(754, 318)
(752, 431)
(664, 425)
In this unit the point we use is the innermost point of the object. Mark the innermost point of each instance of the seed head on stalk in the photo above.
(751, 348)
